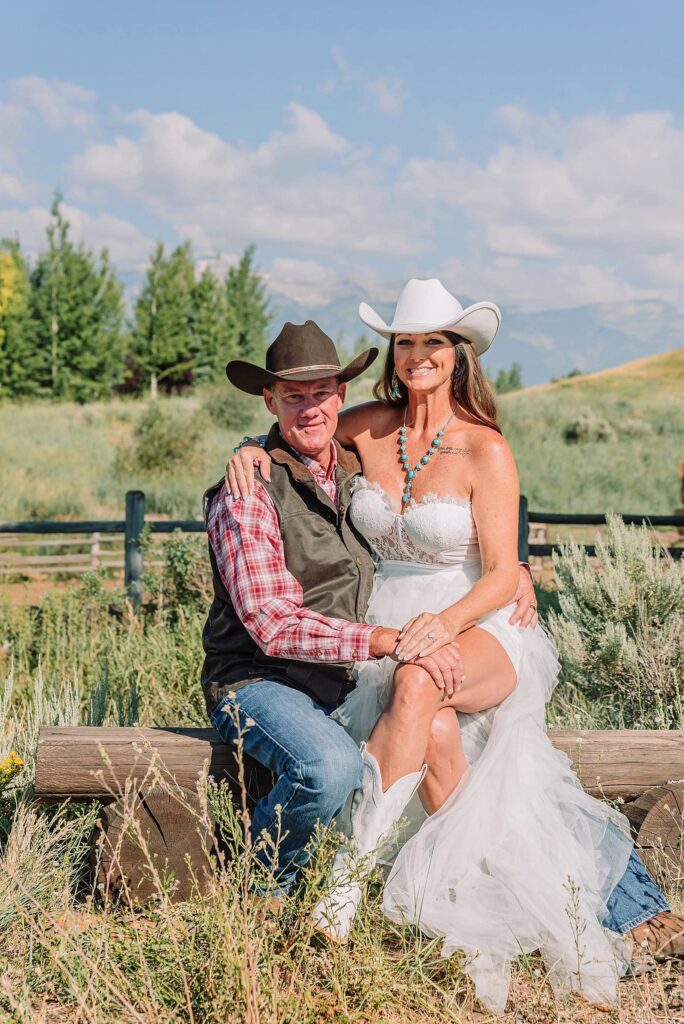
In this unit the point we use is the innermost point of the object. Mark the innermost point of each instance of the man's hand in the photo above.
(240, 470)
(382, 642)
(525, 601)
(446, 668)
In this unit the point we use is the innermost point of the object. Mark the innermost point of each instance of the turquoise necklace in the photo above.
(423, 461)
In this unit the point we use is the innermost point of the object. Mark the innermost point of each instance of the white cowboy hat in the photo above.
(425, 305)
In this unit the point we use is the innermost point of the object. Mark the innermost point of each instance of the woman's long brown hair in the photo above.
(469, 386)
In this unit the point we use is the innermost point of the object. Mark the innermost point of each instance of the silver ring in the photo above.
(431, 636)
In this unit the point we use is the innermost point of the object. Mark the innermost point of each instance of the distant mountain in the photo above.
(548, 344)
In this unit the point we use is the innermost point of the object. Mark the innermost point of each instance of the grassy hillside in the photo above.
(629, 463)
(77, 461)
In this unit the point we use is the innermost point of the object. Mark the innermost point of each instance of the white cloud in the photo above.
(537, 339)
(588, 209)
(561, 212)
(305, 281)
(11, 187)
(32, 105)
(386, 94)
(126, 243)
(303, 186)
(59, 104)
(27, 225)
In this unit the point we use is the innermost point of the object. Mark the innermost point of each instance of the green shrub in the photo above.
(620, 630)
(229, 408)
(588, 427)
(165, 439)
(184, 583)
(634, 427)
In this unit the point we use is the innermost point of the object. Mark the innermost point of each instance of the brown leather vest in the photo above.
(328, 557)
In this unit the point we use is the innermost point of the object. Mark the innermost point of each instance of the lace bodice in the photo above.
(435, 530)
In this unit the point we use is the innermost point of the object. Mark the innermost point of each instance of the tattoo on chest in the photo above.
(447, 449)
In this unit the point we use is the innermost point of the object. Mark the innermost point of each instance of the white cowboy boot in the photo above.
(373, 817)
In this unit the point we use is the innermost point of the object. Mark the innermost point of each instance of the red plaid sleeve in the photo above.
(245, 536)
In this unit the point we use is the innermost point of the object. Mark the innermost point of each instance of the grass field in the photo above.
(75, 461)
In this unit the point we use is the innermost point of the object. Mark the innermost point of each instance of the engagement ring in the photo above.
(431, 636)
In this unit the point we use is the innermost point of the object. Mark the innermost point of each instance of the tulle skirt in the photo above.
(519, 858)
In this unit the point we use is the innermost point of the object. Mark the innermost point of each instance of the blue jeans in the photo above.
(634, 899)
(316, 762)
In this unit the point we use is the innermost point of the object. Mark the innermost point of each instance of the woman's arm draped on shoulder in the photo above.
(239, 477)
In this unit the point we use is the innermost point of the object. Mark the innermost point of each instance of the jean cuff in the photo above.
(646, 915)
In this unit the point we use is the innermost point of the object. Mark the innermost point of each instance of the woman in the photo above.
(508, 854)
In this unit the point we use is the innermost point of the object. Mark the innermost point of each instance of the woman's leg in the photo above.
(445, 760)
(400, 738)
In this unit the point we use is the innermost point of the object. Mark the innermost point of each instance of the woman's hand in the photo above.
(525, 601)
(446, 668)
(424, 634)
(240, 470)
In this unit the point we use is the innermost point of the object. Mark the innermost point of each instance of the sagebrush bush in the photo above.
(166, 439)
(589, 426)
(620, 630)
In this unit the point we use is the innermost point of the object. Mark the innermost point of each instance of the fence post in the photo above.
(523, 531)
(133, 557)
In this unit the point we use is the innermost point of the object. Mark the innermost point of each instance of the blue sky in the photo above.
(528, 153)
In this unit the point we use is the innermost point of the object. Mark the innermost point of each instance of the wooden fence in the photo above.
(102, 534)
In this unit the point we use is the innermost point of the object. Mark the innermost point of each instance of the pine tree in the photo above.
(509, 380)
(248, 312)
(77, 317)
(210, 329)
(17, 352)
(163, 349)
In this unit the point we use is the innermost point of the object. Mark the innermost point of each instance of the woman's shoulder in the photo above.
(485, 443)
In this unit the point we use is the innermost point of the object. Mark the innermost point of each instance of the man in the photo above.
(291, 580)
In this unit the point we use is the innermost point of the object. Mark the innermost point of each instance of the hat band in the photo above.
(301, 369)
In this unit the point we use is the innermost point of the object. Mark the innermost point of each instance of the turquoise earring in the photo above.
(395, 392)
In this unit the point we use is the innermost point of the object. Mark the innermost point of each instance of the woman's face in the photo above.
(424, 362)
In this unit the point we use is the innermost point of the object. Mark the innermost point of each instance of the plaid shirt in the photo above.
(245, 537)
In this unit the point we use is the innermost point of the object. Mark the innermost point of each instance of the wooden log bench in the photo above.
(122, 768)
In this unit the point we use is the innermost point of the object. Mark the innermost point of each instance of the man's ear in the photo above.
(269, 400)
(341, 394)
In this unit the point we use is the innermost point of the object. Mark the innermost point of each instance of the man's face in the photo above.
(307, 412)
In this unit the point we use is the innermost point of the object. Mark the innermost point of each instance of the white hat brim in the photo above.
(478, 324)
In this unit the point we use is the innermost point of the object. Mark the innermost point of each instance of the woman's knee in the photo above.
(413, 689)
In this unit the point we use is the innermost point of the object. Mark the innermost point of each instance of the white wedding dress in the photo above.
(519, 858)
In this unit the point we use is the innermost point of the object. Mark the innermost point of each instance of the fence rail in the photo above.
(134, 523)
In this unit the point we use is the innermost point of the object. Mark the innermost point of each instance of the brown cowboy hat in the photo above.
(300, 352)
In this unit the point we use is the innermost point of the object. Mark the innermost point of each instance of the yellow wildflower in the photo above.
(9, 767)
